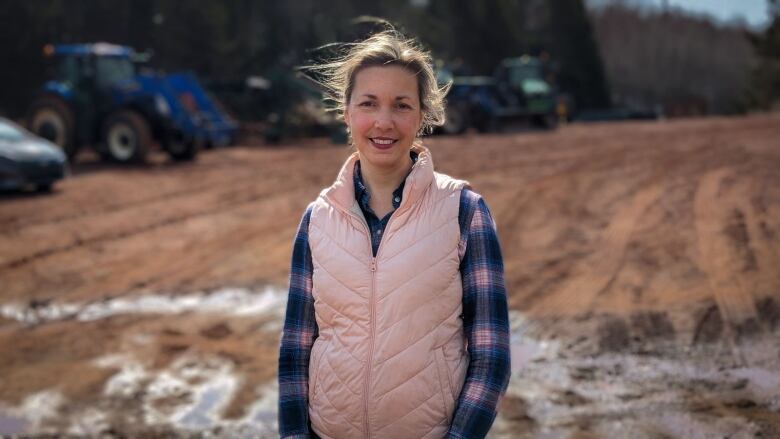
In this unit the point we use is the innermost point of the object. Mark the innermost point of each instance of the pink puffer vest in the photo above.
(390, 359)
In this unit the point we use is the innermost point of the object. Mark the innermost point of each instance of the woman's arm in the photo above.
(485, 322)
(300, 330)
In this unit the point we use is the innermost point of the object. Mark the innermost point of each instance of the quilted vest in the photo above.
(390, 359)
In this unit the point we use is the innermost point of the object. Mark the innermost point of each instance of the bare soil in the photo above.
(641, 263)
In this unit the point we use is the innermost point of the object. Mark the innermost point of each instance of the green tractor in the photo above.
(517, 90)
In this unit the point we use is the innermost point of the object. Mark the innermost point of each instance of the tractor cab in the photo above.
(79, 64)
(523, 84)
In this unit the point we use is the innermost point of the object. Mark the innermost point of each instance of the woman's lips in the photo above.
(381, 143)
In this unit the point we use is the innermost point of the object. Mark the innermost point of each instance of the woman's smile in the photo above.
(383, 142)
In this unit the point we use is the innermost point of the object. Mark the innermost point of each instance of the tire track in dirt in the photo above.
(595, 273)
(740, 263)
(119, 206)
(196, 255)
(231, 248)
(220, 202)
(137, 187)
(210, 174)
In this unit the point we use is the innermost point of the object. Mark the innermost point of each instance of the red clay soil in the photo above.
(663, 229)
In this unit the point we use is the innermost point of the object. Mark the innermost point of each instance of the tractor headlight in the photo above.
(162, 105)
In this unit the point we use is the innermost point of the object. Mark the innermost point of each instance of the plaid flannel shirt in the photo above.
(485, 321)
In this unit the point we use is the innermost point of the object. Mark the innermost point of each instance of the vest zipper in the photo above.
(372, 321)
(371, 340)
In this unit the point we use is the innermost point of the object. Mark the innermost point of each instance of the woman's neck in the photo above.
(381, 182)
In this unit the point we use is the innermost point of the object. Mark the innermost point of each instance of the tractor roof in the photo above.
(521, 61)
(97, 49)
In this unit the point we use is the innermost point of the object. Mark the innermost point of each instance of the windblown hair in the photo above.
(386, 48)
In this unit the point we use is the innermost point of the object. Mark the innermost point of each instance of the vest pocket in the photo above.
(445, 381)
(314, 368)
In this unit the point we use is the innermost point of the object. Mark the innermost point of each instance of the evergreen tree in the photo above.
(480, 34)
(574, 48)
(765, 90)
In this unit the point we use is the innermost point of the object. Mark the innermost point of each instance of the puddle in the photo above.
(678, 394)
(264, 412)
(188, 396)
(231, 301)
(12, 425)
(34, 411)
(210, 399)
(191, 394)
(523, 348)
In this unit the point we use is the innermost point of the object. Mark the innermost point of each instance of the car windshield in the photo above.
(9, 133)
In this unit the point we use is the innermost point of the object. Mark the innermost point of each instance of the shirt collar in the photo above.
(341, 193)
(361, 191)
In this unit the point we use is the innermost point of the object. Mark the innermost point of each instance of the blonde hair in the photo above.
(386, 48)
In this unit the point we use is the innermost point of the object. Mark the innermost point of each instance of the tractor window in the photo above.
(518, 74)
(68, 70)
(111, 70)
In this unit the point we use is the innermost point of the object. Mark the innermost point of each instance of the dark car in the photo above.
(27, 160)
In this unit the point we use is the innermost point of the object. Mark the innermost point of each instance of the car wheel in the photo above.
(53, 119)
(127, 137)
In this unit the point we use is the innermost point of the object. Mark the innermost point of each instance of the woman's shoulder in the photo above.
(445, 182)
(468, 194)
(471, 200)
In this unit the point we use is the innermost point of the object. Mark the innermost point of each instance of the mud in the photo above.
(641, 264)
(697, 392)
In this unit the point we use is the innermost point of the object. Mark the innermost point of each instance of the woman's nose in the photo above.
(384, 119)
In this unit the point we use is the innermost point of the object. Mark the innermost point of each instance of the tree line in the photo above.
(671, 60)
(594, 59)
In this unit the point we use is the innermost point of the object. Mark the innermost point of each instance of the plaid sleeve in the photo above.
(485, 321)
(300, 330)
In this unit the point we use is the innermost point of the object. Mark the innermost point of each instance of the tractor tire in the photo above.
(487, 123)
(53, 119)
(547, 122)
(126, 137)
(456, 119)
(182, 151)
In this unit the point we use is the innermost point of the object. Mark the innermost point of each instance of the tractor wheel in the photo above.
(487, 123)
(545, 121)
(127, 137)
(53, 119)
(456, 120)
(182, 150)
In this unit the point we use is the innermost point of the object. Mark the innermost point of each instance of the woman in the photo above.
(396, 321)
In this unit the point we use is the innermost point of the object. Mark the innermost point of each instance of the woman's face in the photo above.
(383, 115)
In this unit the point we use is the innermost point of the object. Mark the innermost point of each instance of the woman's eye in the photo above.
(366, 104)
(404, 106)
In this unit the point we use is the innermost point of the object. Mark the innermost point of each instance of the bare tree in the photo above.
(668, 59)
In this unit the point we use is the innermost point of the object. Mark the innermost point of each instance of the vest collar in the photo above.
(342, 191)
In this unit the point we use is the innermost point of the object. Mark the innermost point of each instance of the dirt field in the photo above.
(642, 261)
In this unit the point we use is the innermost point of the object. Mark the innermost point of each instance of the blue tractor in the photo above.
(98, 98)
